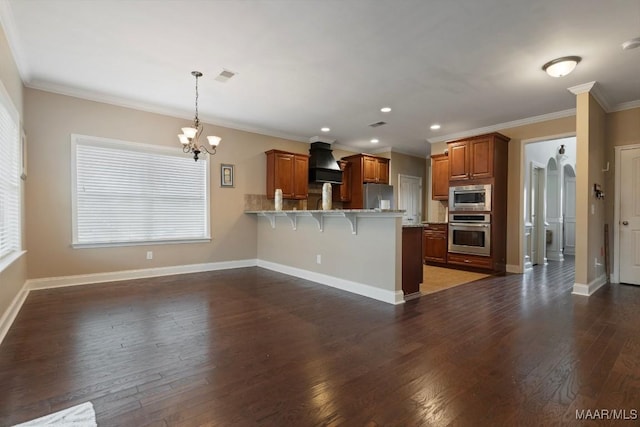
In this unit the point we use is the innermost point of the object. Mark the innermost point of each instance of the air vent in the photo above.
(376, 124)
(224, 75)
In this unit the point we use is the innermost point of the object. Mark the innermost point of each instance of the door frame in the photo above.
(615, 271)
(419, 179)
(540, 224)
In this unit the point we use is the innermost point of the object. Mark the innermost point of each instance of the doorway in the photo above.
(627, 215)
(410, 199)
(538, 214)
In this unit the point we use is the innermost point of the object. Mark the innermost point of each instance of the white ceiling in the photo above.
(466, 64)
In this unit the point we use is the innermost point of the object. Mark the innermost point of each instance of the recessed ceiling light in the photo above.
(561, 66)
(374, 141)
(631, 44)
(325, 129)
(385, 109)
(435, 126)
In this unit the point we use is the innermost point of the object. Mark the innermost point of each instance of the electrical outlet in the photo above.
(149, 254)
(318, 259)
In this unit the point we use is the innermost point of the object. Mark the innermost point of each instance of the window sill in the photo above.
(10, 259)
(141, 243)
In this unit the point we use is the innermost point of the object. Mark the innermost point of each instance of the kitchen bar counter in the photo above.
(351, 215)
(356, 250)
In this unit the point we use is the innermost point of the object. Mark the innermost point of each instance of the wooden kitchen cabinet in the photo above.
(365, 168)
(342, 192)
(434, 245)
(289, 172)
(375, 169)
(440, 177)
(411, 262)
(475, 158)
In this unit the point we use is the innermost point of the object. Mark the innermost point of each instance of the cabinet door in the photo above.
(435, 246)
(284, 174)
(342, 192)
(301, 177)
(458, 161)
(369, 169)
(383, 171)
(481, 158)
(440, 177)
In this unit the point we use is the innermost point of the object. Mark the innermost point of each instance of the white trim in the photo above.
(8, 24)
(506, 125)
(590, 288)
(12, 311)
(594, 89)
(626, 106)
(391, 297)
(582, 88)
(10, 259)
(516, 269)
(615, 270)
(114, 276)
(155, 109)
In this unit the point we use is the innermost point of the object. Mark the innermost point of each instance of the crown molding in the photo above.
(626, 106)
(507, 125)
(8, 25)
(594, 89)
(151, 108)
(582, 88)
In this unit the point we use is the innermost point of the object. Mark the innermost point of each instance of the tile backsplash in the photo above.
(260, 202)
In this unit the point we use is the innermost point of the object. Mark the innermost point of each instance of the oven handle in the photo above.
(464, 224)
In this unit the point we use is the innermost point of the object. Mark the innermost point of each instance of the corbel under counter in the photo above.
(350, 215)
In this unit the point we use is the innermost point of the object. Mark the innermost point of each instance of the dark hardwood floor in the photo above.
(254, 347)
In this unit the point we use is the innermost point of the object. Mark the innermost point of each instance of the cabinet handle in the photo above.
(466, 260)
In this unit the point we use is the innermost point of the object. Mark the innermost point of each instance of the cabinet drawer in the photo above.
(470, 260)
(435, 227)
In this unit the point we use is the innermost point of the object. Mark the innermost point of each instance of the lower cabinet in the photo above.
(411, 259)
(434, 245)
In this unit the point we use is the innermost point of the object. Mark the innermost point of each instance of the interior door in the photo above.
(410, 199)
(630, 216)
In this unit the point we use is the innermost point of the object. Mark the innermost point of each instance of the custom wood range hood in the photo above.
(322, 166)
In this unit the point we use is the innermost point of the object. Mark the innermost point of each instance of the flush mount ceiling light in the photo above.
(375, 141)
(631, 44)
(385, 109)
(325, 129)
(189, 136)
(562, 66)
(435, 126)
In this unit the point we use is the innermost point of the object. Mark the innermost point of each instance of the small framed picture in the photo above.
(226, 175)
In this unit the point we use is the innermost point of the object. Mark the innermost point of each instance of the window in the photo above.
(128, 193)
(10, 191)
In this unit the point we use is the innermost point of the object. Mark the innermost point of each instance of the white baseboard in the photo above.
(391, 297)
(114, 276)
(12, 311)
(513, 269)
(589, 289)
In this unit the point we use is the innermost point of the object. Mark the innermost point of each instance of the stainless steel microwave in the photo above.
(470, 198)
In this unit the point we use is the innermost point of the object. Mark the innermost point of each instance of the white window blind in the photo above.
(130, 193)
(10, 194)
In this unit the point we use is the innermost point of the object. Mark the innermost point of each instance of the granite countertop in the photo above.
(301, 211)
(434, 222)
(412, 225)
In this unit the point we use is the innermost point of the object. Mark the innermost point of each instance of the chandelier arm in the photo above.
(186, 148)
(204, 148)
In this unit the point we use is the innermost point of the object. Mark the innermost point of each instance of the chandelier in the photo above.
(189, 136)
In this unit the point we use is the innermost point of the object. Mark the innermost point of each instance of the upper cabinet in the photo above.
(288, 172)
(440, 177)
(476, 157)
(342, 192)
(374, 169)
(364, 168)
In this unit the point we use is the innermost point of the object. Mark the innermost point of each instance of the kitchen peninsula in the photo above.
(356, 250)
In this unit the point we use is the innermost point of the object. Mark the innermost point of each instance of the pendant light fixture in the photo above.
(561, 66)
(189, 136)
